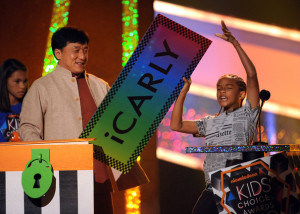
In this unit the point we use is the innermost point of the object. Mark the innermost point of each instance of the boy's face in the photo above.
(73, 57)
(228, 94)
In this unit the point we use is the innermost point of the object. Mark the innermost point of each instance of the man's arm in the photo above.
(252, 81)
(31, 117)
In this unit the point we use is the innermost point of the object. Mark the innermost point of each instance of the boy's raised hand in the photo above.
(227, 35)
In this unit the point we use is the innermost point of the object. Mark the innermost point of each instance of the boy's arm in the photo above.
(176, 119)
(252, 81)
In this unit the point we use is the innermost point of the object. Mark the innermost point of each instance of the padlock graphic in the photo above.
(37, 176)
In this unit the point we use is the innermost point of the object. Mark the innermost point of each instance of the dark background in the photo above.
(281, 13)
(24, 28)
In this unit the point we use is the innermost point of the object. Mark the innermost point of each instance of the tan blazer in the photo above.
(51, 108)
(51, 111)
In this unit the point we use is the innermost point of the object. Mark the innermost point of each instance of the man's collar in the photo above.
(66, 73)
(79, 76)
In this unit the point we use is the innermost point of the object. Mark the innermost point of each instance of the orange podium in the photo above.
(71, 190)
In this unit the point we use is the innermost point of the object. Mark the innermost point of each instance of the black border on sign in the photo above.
(171, 25)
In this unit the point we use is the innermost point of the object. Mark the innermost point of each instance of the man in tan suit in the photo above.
(60, 104)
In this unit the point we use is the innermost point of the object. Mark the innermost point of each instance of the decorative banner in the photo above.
(264, 185)
(144, 91)
(243, 148)
(72, 192)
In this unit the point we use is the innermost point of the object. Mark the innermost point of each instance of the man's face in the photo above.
(73, 57)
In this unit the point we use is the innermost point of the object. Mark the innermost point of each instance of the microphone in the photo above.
(264, 95)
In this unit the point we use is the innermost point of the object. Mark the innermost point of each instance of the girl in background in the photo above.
(13, 86)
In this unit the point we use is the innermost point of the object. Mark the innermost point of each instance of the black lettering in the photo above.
(122, 131)
(141, 99)
(114, 138)
(160, 69)
(168, 51)
(150, 82)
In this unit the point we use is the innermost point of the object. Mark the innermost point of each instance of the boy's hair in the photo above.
(66, 35)
(7, 68)
(239, 81)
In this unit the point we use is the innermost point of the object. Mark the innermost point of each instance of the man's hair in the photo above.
(66, 35)
(7, 68)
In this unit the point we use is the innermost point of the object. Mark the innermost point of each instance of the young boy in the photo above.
(235, 124)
